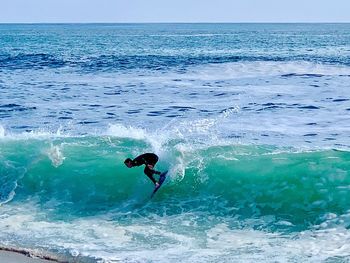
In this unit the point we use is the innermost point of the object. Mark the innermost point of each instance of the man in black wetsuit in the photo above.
(148, 159)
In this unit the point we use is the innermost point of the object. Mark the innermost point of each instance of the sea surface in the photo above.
(251, 120)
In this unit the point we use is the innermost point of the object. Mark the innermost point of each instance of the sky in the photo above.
(139, 11)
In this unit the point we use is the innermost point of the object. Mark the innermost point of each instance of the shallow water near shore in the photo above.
(252, 121)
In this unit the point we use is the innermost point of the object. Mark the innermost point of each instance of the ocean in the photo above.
(251, 120)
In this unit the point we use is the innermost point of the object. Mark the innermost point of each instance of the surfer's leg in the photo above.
(150, 173)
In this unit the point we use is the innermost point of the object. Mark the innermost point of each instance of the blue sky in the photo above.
(36, 11)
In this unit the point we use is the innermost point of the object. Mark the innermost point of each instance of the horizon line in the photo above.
(246, 22)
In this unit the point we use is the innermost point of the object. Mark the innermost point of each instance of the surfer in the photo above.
(148, 159)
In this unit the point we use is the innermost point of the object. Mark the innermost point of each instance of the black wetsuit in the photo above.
(147, 158)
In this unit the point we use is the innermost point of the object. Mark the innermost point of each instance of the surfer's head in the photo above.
(128, 162)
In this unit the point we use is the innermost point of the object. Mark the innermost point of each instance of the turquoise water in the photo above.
(252, 121)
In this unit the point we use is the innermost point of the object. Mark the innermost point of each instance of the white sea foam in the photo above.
(154, 138)
(56, 156)
(122, 131)
(165, 239)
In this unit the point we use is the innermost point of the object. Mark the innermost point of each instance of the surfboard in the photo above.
(162, 178)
